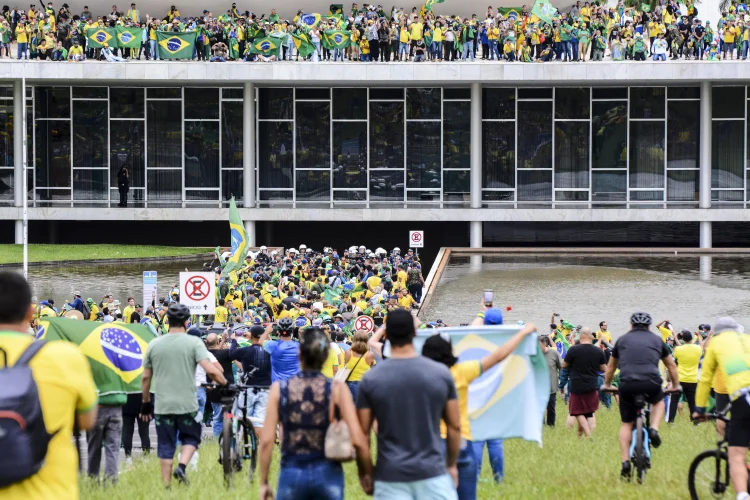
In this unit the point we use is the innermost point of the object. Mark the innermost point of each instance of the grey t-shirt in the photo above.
(407, 398)
(173, 358)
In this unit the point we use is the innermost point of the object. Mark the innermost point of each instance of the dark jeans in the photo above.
(106, 434)
(416, 291)
(128, 428)
(123, 198)
(467, 471)
(353, 387)
(551, 410)
(688, 389)
(319, 480)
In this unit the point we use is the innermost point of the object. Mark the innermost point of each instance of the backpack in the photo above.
(23, 435)
(86, 311)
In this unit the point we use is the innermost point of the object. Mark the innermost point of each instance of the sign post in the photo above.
(198, 292)
(149, 289)
(416, 240)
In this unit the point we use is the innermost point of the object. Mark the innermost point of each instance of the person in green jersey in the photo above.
(584, 38)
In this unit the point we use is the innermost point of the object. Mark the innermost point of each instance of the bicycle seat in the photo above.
(640, 401)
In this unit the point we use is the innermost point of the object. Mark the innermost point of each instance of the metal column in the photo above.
(18, 131)
(705, 161)
(476, 146)
(250, 232)
(706, 239)
(19, 232)
(475, 234)
(248, 147)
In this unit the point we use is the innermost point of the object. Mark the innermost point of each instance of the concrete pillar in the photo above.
(476, 148)
(248, 146)
(706, 263)
(52, 232)
(250, 232)
(18, 131)
(19, 232)
(705, 151)
(475, 234)
(706, 234)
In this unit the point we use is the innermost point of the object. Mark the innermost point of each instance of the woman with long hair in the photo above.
(358, 361)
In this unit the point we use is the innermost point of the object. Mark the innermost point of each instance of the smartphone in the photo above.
(488, 297)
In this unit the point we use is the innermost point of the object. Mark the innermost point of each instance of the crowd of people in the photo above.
(285, 324)
(591, 31)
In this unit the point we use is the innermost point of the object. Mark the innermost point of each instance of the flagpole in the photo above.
(25, 185)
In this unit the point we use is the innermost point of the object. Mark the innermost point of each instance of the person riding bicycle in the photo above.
(638, 353)
(729, 353)
(284, 352)
(171, 360)
(254, 357)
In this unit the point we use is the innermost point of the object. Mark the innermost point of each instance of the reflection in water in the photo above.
(586, 289)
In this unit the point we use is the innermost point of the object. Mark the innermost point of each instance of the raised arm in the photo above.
(507, 348)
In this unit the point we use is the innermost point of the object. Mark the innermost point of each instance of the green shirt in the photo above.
(565, 33)
(173, 359)
(584, 36)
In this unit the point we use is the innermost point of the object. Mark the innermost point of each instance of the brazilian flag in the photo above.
(239, 240)
(266, 46)
(337, 39)
(336, 8)
(175, 45)
(97, 38)
(303, 44)
(429, 3)
(309, 20)
(115, 351)
(129, 38)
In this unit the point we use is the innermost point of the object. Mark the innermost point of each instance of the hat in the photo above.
(317, 322)
(77, 293)
(725, 323)
(116, 303)
(89, 300)
(493, 317)
(257, 331)
(194, 331)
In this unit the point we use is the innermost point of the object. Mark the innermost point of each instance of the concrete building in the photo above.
(479, 154)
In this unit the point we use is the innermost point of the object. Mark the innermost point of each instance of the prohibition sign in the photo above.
(364, 323)
(416, 237)
(197, 288)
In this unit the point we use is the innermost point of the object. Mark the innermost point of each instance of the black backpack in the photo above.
(86, 311)
(23, 436)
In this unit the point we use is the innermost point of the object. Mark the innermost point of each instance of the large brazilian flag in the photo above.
(239, 238)
(98, 37)
(175, 45)
(115, 351)
(129, 38)
(337, 39)
(267, 46)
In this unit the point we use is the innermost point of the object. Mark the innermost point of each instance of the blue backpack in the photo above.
(23, 436)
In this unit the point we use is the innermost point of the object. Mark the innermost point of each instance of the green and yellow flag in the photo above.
(175, 45)
(646, 7)
(239, 240)
(266, 46)
(303, 44)
(115, 351)
(336, 8)
(336, 39)
(544, 10)
(429, 3)
(129, 38)
(98, 37)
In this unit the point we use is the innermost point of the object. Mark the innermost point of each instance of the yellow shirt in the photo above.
(437, 35)
(729, 34)
(401, 277)
(404, 35)
(665, 332)
(63, 377)
(94, 308)
(78, 51)
(604, 334)
(667, 18)
(48, 312)
(331, 361)
(406, 301)
(463, 374)
(373, 282)
(687, 357)
(221, 314)
(417, 31)
(22, 34)
(127, 312)
(728, 353)
(151, 34)
(494, 34)
(358, 367)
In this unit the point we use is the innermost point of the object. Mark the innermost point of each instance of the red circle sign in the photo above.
(197, 288)
(416, 237)
(364, 323)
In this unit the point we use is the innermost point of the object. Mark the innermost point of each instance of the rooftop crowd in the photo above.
(588, 31)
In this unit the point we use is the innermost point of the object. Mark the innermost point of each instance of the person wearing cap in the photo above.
(93, 309)
(728, 355)
(135, 316)
(76, 52)
(23, 37)
(77, 303)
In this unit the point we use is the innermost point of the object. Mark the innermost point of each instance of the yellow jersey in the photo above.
(728, 353)
(417, 31)
(604, 335)
(221, 314)
(687, 357)
(358, 367)
(463, 374)
(331, 361)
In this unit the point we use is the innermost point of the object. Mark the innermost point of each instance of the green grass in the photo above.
(13, 254)
(566, 467)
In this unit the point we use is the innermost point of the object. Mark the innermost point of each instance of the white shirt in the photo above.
(200, 373)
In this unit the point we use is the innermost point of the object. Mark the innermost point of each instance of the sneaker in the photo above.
(181, 476)
(625, 471)
(653, 436)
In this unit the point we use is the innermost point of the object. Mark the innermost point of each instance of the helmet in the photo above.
(396, 251)
(380, 251)
(286, 325)
(362, 249)
(302, 248)
(178, 313)
(640, 318)
(371, 255)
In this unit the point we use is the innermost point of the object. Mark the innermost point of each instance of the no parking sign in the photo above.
(416, 239)
(198, 292)
(364, 323)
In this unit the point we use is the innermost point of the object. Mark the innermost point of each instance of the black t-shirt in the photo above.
(222, 356)
(583, 362)
(699, 30)
(638, 353)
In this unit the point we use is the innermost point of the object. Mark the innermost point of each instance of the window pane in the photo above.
(313, 185)
(304, 93)
(456, 181)
(534, 135)
(6, 135)
(453, 93)
(350, 155)
(202, 103)
(608, 186)
(275, 154)
(387, 135)
(233, 93)
(646, 154)
(498, 154)
(386, 185)
(313, 135)
(423, 196)
(90, 184)
(683, 92)
(275, 195)
(6, 186)
(498, 196)
(457, 135)
(682, 185)
(350, 195)
(571, 196)
(126, 149)
(499, 103)
(727, 151)
(609, 123)
(572, 103)
(126, 102)
(231, 185)
(423, 103)
(275, 103)
(202, 154)
(52, 102)
(164, 93)
(349, 104)
(53, 153)
(726, 195)
(164, 185)
(53, 194)
(90, 130)
(647, 196)
(534, 185)
(571, 155)
(423, 155)
(164, 131)
(89, 93)
(647, 102)
(725, 100)
(682, 134)
(535, 93)
(231, 135)
(610, 93)
(207, 195)
(390, 94)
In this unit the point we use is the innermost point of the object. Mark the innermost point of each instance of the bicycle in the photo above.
(714, 482)
(640, 444)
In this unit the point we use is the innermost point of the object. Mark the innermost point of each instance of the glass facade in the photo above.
(368, 147)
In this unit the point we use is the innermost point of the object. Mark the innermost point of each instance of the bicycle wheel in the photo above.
(228, 456)
(639, 452)
(250, 447)
(709, 475)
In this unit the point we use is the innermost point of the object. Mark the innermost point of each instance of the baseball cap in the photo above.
(256, 331)
(725, 323)
(493, 316)
(317, 322)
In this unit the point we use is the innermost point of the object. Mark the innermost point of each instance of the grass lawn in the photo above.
(566, 467)
(13, 254)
